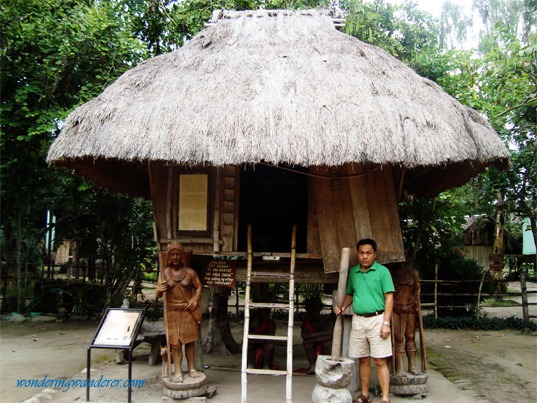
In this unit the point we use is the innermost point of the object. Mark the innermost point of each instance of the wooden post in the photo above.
(477, 313)
(524, 295)
(436, 291)
(340, 297)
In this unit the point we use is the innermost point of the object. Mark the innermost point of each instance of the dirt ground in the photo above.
(494, 366)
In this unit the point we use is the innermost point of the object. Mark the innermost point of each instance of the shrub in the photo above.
(456, 323)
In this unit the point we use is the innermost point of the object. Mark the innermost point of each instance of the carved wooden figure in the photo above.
(405, 316)
(181, 289)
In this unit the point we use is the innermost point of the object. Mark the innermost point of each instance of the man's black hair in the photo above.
(367, 241)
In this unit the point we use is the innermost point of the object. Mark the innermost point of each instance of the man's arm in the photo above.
(346, 303)
(388, 309)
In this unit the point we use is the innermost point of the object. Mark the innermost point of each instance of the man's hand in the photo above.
(385, 331)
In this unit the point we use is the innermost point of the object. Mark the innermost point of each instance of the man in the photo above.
(407, 296)
(183, 292)
(370, 291)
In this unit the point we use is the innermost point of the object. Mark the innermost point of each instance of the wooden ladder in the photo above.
(251, 278)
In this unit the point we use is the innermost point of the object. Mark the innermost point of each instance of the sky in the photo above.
(434, 6)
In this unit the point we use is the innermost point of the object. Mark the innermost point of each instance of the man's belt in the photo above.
(369, 315)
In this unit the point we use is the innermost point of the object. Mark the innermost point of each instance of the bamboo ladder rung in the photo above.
(274, 372)
(267, 337)
(270, 305)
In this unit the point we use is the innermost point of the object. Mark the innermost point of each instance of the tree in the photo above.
(499, 80)
(55, 55)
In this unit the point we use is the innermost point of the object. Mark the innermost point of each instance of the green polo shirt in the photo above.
(368, 288)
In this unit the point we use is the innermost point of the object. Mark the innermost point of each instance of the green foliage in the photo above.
(430, 225)
(403, 30)
(452, 265)
(458, 323)
(57, 54)
(75, 298)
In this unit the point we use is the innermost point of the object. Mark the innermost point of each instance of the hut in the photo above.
(274, 118)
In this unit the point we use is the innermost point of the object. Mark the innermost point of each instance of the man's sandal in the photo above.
(362, 399)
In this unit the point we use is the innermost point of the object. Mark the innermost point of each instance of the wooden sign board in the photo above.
(221, 273)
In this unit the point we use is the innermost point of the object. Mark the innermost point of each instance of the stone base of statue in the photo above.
(333, 377)
(409, 384)
(190, 387)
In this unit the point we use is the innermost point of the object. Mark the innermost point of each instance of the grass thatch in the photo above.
(279, 87)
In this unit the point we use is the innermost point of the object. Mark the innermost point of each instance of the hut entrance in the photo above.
(272, 200)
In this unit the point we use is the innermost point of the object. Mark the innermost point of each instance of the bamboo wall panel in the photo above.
(230, 208)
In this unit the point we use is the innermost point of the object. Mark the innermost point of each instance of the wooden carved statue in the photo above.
(405, 316)
(181, 289)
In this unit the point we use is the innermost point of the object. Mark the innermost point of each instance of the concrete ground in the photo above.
(223, 373)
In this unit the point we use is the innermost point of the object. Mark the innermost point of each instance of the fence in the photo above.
(478, 294)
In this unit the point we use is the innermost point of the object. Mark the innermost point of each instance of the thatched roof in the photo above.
(279, 87)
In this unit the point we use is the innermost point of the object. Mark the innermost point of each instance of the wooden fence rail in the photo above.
(478, 294)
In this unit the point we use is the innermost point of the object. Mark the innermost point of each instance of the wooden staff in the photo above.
(392, 336)
(422, 340)
(340, 297)
(161, 276)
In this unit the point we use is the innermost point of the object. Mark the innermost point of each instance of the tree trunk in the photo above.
(122, 285)
(219, 339)
(498, 241)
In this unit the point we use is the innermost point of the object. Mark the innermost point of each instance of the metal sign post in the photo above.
(118, 330)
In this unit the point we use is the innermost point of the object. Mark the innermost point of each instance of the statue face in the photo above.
(175, 257)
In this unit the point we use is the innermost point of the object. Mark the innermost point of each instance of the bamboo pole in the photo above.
(340, 297)
(290, 324)
(244, 362)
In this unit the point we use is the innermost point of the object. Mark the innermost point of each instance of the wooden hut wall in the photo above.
(222, 208)
(354, 202)
(158, 180)
(230, 208)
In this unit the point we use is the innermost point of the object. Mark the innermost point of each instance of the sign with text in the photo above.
(118, 328)
(220, 273)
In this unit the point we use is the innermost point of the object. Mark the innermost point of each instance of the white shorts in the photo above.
(365, 340)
